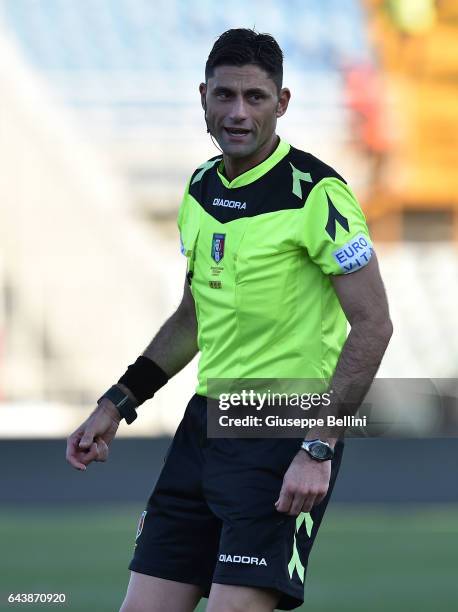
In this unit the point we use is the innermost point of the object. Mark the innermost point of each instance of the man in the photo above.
(278, 257)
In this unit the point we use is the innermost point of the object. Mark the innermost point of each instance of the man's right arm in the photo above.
(175, 344)
(173, 347)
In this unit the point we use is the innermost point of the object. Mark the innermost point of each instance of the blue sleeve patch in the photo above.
(355, 254)
(182, 249)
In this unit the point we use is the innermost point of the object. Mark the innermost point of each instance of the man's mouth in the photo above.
(237, 132)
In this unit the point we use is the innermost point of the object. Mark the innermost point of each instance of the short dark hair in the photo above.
(241, 46)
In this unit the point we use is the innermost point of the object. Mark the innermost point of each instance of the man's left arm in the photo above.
(363, 300)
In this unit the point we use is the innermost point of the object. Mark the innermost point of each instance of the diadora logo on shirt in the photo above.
(242, 559)
(229, 203)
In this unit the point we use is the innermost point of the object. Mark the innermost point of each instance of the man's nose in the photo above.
(238, 109)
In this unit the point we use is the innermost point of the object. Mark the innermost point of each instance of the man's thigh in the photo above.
(229, 598)
(260, 547)
(152, 594)
(178, 535)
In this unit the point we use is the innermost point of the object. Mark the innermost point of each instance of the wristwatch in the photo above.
(317, 449)
(125, 405)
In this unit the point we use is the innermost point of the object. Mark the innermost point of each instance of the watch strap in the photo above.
(124, 404)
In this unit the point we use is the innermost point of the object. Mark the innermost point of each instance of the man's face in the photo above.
(242, 105)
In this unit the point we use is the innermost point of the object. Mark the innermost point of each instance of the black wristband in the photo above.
(143, 378)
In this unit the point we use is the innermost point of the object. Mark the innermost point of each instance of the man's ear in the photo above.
(203, 95)
(283, 101)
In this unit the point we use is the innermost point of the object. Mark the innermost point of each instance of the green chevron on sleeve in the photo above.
(203, 169)
(334, 218)
(334, 229)
(299, 176)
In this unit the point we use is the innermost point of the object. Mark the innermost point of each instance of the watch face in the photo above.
(320, 451)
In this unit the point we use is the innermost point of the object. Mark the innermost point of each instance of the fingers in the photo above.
(90, 441)
(90, 455)
(321, 495)
(313, 498)
(300, 502)
(283, 503)
(102, 449)
(73, 454)
(308, 504)
(293, 503)
(87, 439)
(83, 449)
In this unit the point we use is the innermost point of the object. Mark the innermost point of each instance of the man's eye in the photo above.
(257, 97)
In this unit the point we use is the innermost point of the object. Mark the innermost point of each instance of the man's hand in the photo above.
(305, 484)
(90, 441)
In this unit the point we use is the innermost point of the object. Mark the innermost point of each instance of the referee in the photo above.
(279, 258)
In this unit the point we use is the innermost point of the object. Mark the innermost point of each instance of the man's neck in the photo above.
(234, 167)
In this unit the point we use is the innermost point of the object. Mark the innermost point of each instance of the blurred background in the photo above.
(100, 127)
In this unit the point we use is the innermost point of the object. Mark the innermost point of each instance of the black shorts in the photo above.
(211, 516)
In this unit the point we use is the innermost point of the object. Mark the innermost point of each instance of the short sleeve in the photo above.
(181, 219)
(334, 230)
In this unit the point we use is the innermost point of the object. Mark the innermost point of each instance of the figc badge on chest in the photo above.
(218, 247)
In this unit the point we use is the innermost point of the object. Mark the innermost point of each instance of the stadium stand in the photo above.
(422, 284)
(418, 51)
(131, 70)
(80, 272)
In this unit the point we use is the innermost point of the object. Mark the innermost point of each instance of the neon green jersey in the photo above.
(260, 251)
